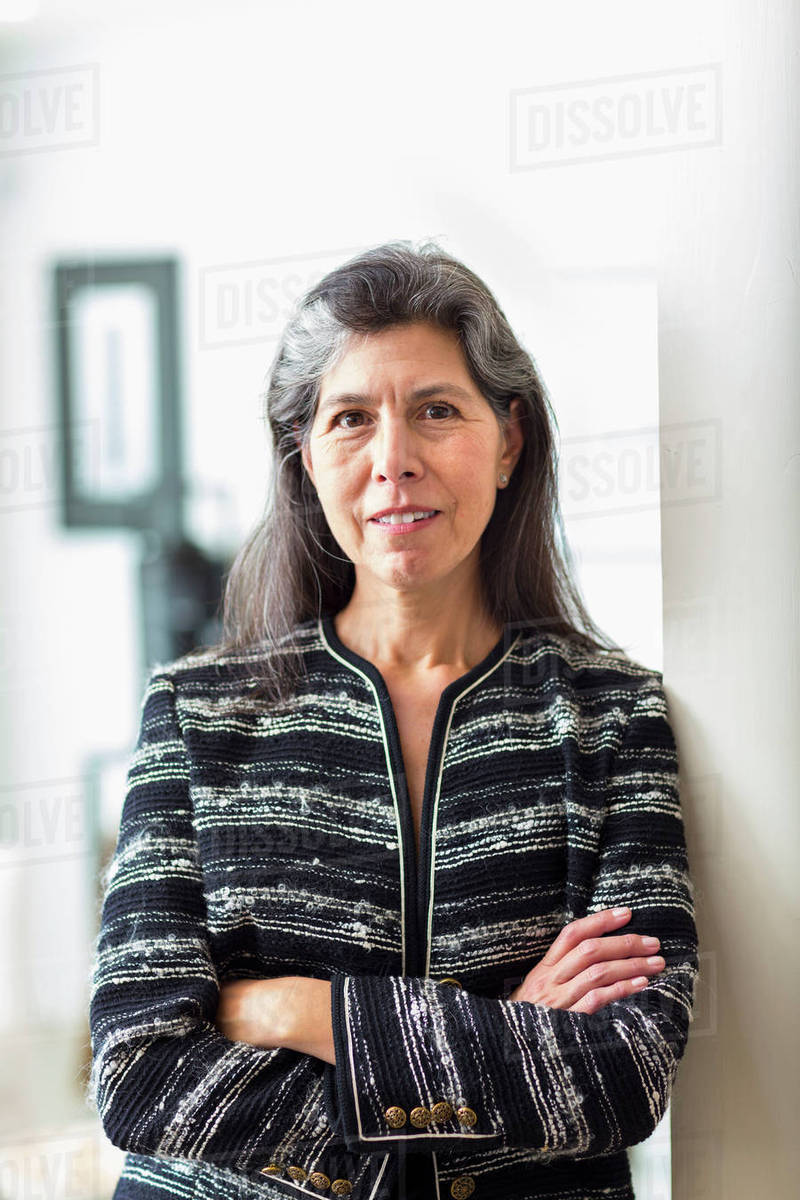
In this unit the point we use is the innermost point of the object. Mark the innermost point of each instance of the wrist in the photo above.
(277, 1009)
(295, 1021)
(306, 1021)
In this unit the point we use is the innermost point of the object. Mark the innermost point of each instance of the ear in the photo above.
(513, 438)
(304, 454)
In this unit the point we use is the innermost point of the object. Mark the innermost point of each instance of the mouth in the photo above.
(406, 522)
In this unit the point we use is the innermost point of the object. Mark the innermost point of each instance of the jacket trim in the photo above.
(429, 846)
(415, 944)
(330, 640)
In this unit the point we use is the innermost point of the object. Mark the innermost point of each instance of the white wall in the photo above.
(728, 336)
(262, 144)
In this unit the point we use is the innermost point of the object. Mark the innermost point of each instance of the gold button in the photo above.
(297, 1173)
(450, 979)
(420, 1117)
(462, 1187)
(441, 1111)
(319, 1179)
(395, 1116)
(341, 1187)
(466, 1115)
(272, 1169)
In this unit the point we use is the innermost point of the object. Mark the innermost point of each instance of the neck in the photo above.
(408, 633)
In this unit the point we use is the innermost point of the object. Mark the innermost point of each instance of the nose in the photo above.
(395, 454)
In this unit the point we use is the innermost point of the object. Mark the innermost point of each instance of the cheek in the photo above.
(474, 476)
(471, 456)
(337, 495)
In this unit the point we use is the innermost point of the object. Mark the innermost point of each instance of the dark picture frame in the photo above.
(118, 386)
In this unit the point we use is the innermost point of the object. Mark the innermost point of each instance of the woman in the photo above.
(377, 920)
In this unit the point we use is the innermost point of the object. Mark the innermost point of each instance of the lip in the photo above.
(403, 526)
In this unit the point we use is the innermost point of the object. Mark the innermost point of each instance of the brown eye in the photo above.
(338, 419)
(440, 404)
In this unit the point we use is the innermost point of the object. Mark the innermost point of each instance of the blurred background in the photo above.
(172, 177)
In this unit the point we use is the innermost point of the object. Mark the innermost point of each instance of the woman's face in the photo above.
(401, 425)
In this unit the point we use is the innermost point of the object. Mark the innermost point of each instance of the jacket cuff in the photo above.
(324, 1168)
(396, 1092)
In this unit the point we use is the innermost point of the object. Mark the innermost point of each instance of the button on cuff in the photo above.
(395, 1116)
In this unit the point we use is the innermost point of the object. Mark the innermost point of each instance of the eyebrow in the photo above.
(421, 393)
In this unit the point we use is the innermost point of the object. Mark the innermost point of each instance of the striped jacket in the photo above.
(257, 841)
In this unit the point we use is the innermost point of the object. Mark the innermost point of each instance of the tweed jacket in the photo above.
(259, 840)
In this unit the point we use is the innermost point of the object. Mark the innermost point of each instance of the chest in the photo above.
(415, 711)
(303, 837)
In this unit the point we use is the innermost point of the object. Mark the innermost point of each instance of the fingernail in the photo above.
(655, 961)
(650, 943)
(620, 912)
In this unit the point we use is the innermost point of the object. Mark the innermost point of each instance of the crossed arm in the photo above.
(295, 1012)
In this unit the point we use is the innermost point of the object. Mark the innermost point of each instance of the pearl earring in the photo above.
(503, 478)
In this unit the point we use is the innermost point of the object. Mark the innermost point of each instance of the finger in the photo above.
(597, 998)
(577, 931)
(576, 981)
(599, 950)
(606, 974)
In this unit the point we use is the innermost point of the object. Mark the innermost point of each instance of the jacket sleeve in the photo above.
(522, 1074)
(163, 1079)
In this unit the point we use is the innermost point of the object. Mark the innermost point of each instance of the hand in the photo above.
(253, 1010)
(583, 971)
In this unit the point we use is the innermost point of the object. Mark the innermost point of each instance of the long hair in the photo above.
(291, 569)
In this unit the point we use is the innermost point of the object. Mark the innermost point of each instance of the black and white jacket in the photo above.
(256, 842)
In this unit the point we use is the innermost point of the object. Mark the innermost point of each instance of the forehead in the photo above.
(409, 356)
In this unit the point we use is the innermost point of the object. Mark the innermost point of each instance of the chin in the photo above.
(405, 578)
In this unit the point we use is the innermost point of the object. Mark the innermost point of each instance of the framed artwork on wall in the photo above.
(118, 389)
